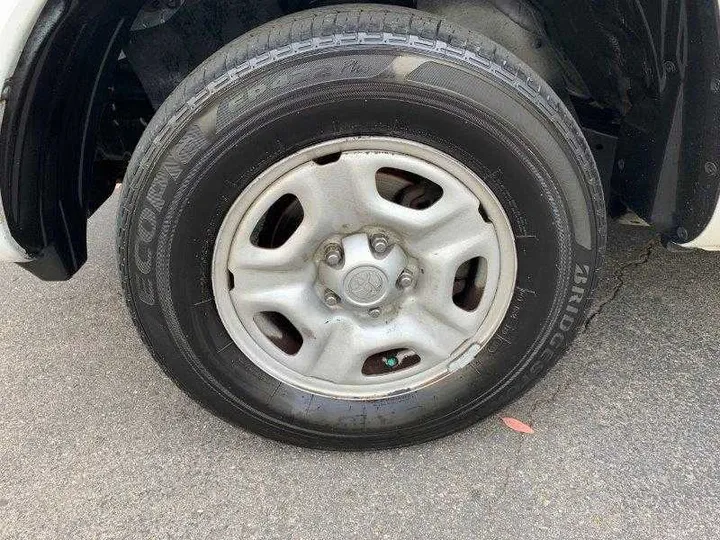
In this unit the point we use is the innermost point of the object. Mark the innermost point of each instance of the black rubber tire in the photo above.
(324, 74)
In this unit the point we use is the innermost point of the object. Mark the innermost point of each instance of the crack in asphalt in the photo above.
(515, 462)
(511, 467)
(619, 278)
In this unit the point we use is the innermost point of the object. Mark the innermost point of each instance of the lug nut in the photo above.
(379, 243)
(331, 299)
(333, 254)
(374, 313)
(406, 279)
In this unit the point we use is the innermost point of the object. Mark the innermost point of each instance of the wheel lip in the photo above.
(459, 359)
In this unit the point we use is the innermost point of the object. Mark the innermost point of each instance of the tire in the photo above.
(341, 72)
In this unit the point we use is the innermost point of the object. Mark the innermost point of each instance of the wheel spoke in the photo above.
(432, 337)
(443, 310)
(413, 222)
(289, 293)
(441, 264)
(336, 354)
(336, 196)
(290, 257)
(453, 231)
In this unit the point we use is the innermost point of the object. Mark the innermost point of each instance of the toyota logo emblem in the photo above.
(366, 284)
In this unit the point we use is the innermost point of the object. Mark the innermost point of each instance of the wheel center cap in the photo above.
(366, 284)
(364, 279)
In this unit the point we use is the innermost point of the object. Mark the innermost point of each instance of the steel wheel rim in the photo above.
(340, 203)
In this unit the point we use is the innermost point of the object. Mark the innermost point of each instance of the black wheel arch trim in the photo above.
(47, 141)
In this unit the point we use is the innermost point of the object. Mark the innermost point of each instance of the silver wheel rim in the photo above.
(348, 305)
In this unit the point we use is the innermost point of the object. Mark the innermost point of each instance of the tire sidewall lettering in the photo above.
(144, 249)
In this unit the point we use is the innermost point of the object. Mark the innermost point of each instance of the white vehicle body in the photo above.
(17, 19)
(709, 239)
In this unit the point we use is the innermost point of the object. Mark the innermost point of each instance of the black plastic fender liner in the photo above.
(47, 142)
(657, 63)
(669, 145)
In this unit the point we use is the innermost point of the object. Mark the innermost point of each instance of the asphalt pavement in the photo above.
(95, 442)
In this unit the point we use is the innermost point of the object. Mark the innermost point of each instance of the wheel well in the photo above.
(94, 71)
